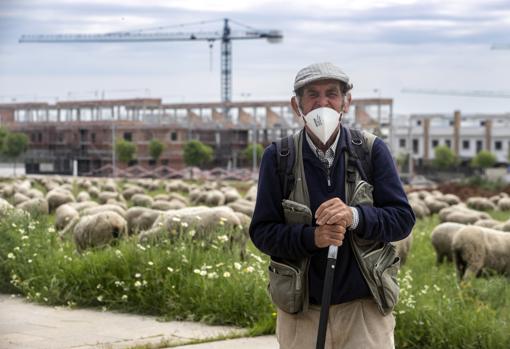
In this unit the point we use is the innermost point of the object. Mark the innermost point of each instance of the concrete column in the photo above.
(456, 132)
(488, 135)
(426, 140)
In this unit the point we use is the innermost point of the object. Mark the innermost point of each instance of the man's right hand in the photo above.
(329, 234)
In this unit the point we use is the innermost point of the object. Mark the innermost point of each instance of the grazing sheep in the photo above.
(107, 195)
(177, 185)
(435, 205)
(215, 198)
(132, 190)
(167, 205)
(83, 196)
(141, 218)
(65, 214)
(37, 206)
(57, 197)
(202, 218)
(231, 194)
(487, 223)
(142, 200)
(461, 214)
(109, 185)
(482, 204)
(99, 229)
(441, 238)
(94, 191)
(476, 249)
(251, 194)
(505, 226)
(80, 206)
(243, 206)
(102, 208)
(34, 193)
(6, 190)
(403, 248)
(504, 204)
(19, 198)
(5, 207)
(177, 196)
(419, 208)
(450, 199)
(122, 204)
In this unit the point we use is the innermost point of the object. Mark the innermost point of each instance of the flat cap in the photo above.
(320, 71)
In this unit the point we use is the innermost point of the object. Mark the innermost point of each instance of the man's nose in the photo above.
(323, 101)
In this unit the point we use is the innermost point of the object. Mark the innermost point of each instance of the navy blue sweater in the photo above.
(390, 219)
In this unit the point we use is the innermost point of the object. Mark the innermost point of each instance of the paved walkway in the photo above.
(27, 325)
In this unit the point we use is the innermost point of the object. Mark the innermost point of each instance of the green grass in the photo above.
(187, 280)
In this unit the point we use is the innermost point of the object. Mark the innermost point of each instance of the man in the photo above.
(321, 98)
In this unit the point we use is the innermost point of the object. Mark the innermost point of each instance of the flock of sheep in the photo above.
(467, 235)
(105, 210)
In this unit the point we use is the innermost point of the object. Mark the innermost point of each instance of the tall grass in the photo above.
(186, 279)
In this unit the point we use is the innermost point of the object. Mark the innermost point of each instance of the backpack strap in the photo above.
(359, 147)
(285, 157)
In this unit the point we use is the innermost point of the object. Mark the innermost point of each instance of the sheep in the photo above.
(57, 197)
(441, 238)
(37, 206)
(102, 208)
(251, 194)
(243, 206)
(6, 190)
(109, 186)
(482, 204)
(505, 226)
(65, 214)
(19, 198)
(419, 208)
(177, 185)
(450, 199)
(435, 205)
(461, 214)
(167, 205)
(94, 191)
(5, 206)
(132, 190)
(83, 196)
(142, 200)
(80, 206)
(203, 219)
(35, 193)
(177, 196)
(215, 198)
(99, 229)
(403, 247)
(504, 204)
(231, 194)
(107, 195)
(141, 218)
(487, 223)
(476, 249)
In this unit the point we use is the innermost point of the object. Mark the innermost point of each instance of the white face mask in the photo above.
(322, 122)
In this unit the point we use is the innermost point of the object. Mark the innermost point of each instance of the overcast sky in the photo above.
(384, 46)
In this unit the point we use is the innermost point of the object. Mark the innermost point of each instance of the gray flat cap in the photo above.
(320, 71)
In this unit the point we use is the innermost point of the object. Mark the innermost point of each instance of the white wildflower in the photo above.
(10, 255)
(138, 275)
(170, 269)
(237, 266)
(138, 283)
(226, 274)
(100, 298)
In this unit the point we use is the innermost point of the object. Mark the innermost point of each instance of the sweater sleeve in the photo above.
(268, 230)
(391, 218)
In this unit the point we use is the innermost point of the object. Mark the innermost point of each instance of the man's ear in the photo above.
(294, 105)
(347, 102)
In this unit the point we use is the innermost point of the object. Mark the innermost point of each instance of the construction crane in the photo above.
(226, 36)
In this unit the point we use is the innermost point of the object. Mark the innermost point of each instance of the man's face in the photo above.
(324, 93)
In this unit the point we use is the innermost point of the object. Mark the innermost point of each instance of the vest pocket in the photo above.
(286, 286)
(296, 213)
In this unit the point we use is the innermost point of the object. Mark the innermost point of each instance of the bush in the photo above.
(197, 153)
(248, 152)
(156, 148)
(125, 151)
(444, 157)
(483, 159)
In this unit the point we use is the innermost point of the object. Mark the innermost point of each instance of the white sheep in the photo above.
(504, 204)
(64, 215)
(167, 205)
(37, 206)
(476, 249)
(480, 203)
(83, 196)
(441, 238)
(142, 200)
(243, 206)
(102, 208)
(434, 204)
(141, 218)
(57, 197)
(99, 229)
(251, 194)
(403, 247)
(487, 223)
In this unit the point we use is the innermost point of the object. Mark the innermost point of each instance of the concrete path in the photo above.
(27, 325)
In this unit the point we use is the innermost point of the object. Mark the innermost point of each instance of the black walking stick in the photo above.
(326, 296)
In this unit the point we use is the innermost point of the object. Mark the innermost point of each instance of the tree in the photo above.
(125, 151)
(3, 134)
(444, 157)
(484, 159)
(14, 144)
(248, 151)
(197, 153)
(156, 148)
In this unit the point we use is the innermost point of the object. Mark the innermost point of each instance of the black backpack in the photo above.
(359, 159)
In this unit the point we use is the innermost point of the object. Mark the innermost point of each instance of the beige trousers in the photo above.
(353, 325)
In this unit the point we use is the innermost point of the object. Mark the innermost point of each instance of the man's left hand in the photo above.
(334, 211)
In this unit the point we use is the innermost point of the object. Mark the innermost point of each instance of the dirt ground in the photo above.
(465, 191)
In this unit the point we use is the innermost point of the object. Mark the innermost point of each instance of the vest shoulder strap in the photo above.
(359, 147)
